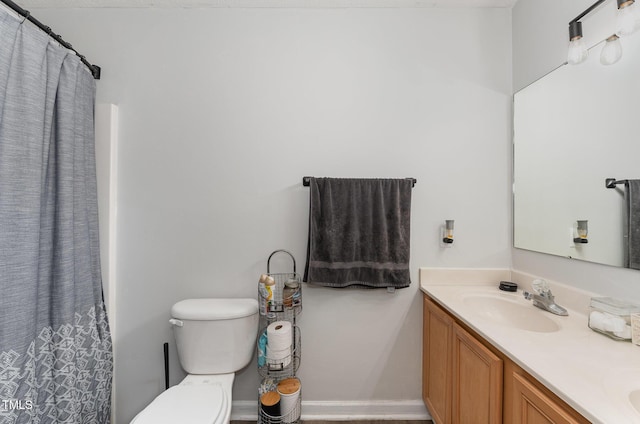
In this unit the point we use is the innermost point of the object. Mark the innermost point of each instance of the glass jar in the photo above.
(611, 317)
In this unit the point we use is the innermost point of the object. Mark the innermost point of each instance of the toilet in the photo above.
(214, 338)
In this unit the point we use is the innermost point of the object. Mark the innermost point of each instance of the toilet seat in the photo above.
(196, 400)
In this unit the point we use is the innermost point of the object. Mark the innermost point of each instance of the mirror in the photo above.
(574, 128)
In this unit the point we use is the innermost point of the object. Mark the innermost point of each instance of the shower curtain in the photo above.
(55, 347)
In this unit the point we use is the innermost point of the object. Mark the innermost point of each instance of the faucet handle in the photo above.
(541, 287)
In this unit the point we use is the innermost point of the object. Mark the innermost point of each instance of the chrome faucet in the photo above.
(544, 299)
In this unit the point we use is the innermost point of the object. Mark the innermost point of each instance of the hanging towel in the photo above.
(632, 200)
(359, 232)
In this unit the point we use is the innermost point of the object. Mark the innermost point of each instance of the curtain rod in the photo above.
(94, 69)
(306, 181)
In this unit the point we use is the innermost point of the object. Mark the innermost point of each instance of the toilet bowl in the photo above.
(214, 339)
(198, 399)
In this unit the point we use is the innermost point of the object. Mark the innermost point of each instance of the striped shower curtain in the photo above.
(55, 347)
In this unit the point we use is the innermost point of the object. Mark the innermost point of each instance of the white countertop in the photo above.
(591, 372)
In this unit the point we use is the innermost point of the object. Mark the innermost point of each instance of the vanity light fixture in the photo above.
(627, 18)
(448, 231)
(612, 51)
(627, 22)
(582, 230)
(578, 51)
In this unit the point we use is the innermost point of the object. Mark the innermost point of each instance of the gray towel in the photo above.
(359, 232)
(632, 200)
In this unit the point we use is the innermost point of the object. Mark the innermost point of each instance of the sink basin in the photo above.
(511, 313)
(622, 385)
(634, 398)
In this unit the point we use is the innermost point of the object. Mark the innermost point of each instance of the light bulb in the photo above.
(583, 228)
(612, 51)
(578, 52)
(448, 231)
(449, 228)
(627, 18)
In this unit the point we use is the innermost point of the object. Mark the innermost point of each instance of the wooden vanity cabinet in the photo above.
(477, 381)
(465, 380)
(527, 401)
(462, 379)
(437, 336)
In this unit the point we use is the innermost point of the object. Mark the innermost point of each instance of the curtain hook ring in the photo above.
(26, 16)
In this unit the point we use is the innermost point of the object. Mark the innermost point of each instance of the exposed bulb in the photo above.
(448, 228)
(448, 231)
(578, 52)
(612, 51)
(627, 19)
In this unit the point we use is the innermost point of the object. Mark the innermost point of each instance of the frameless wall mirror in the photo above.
(574, 128)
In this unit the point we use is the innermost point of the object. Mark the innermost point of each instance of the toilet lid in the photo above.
(186, 403)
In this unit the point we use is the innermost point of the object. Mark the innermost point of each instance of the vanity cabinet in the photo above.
(477, 381)
(437, 339)
(467, 380)
(462, 379)
(527, 401)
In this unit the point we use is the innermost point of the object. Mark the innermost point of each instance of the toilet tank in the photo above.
(215, 336)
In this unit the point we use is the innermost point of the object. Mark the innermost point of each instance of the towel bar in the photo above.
(306, 181)
(612, 182)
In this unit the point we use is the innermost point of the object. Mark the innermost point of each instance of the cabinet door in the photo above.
(436, 362)
(477, 381)
(532, 406)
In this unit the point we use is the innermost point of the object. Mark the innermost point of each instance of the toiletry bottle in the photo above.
(270, 285)
(264, 294)
(262, 349)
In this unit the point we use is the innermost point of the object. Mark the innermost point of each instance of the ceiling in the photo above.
(30, 4)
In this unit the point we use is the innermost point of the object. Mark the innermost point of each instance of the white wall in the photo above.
(221, 114)
(106, 129)
(537, 49)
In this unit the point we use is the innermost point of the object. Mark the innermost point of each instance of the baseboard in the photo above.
(343, 411)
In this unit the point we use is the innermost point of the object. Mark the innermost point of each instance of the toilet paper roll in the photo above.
(289, 391)
(280, 336)
(278, 354)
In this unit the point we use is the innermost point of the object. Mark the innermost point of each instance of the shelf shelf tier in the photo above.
(291, 417)
(285, 302)
(281, 367)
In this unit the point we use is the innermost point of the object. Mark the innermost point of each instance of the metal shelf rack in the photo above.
(284, 304)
